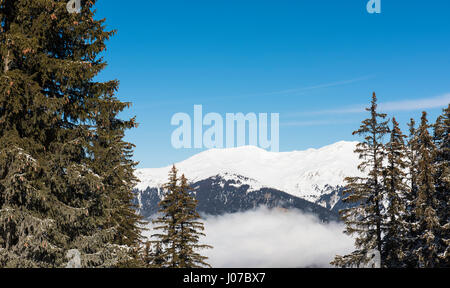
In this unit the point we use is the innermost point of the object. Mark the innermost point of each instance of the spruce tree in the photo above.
(409, 239)
(167, 221)
(157, 258)
(442, 182)
(53, 196)
(428, 226)
(181, 230)
(396, 190)
(365, 219)
(412, 157)
(114, 164)
(147, 255)
(190, 230)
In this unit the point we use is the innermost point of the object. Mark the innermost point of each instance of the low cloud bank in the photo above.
(272, 238)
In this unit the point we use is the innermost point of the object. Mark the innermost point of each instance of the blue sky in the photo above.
(314, 62)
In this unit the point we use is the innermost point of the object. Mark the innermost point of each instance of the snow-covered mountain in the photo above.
(300, 173)
(315, 175)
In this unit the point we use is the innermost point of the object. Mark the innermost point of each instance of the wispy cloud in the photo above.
(314, 87)
(315, 123)
(417, 104)
(294, 91)
(402, 105)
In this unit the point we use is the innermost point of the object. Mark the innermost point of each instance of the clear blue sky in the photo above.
(314, 62)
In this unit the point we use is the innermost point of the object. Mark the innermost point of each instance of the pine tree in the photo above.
(147, 255)
(169, 208)
(428, 225)
(410, 259)
(157, 258)
(366, 219)
(52, 196)
(114, 164)
(180, 227)
(396, 190)
(190, 230)
(442, 182)
(412, 151)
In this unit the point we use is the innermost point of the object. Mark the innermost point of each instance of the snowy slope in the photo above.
(305, 174)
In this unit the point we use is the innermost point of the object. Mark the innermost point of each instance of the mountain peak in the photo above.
(346, 145)
(299, 173)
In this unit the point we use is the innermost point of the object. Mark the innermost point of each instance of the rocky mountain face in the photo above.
(217, 195)
(243, 178)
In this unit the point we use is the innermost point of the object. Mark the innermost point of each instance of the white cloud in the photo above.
(315, 123)
(417, 104)
(402, 105)
(273, 238)
(314, 87)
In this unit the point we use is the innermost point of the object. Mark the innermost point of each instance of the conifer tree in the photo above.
(442, 182)
(412, 151)
(53, 197)
(396, 190)
(366, 219)
(147, 255)
(428, 226)
(152, 257)
(410, 259)
(169, 209)
(114, 164)
(180, 227)
(190, 230)
(157, 258)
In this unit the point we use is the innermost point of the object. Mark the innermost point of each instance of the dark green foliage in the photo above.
(147, 254)
(153, 258)
(365, 219)
(180, 228)
(442, 183)
(396, 190)
(62, 157)
(411, 202)
(427, 225)
(114, 164)
(408, 243)
(158, 259)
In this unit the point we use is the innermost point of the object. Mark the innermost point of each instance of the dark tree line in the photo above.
(401, 211)
(66, 174)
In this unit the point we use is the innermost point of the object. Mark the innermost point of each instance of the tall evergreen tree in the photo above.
(114, 164)
(412, 157)
(428, 225)
(180, 227)
(410, 259)
(169, 209)
(396, 191)
(190, 230)
(442, 182)
(366, 219)
(53, 196)
(157, 259)
(147, 255)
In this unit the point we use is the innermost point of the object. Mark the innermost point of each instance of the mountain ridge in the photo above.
(219, 196)
(307, 174)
